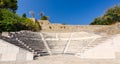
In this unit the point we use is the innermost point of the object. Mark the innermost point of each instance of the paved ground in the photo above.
(66, 59)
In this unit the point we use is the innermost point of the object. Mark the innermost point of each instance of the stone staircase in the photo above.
(42, 44)
(17, 43)
(91, 44)
(72, 43)
(28, 40)
(57, 46)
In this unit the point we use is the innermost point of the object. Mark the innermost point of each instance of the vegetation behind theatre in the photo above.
(111, 16)
(10, 21)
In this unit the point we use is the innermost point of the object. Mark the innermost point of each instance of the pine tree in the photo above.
(9, 4)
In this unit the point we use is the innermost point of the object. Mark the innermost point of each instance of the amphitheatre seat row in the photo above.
(43, 43)
(72, 43)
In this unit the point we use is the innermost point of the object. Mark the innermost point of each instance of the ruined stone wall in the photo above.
(106, 29)
(52, 27)
(71, 28)
(47, 26)
(33, 19)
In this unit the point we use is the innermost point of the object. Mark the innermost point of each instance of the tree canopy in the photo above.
(111, 16)
(9, 4)
(24, 15)
(44, 18)
(10, 21)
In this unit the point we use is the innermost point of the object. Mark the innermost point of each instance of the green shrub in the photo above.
(111, 16)
(10, 21)
(30, 25)
(44, 18)
(50, 27)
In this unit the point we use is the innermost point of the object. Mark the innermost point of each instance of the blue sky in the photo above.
(66, 11)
